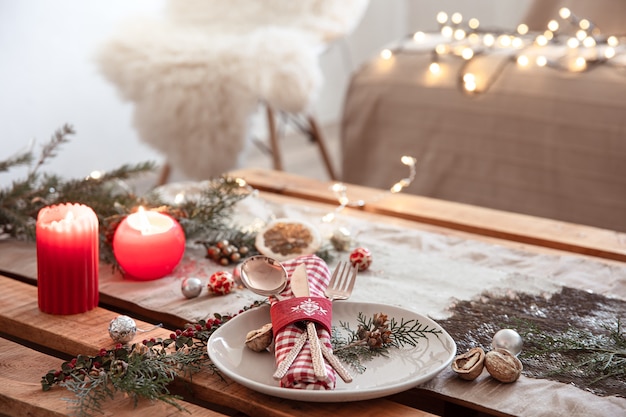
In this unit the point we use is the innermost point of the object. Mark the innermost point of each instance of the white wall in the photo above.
(47, 77)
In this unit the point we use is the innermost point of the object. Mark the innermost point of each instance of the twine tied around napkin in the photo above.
(288, 333)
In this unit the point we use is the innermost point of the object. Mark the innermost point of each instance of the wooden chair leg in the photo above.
(321, 143)
(273, 136)
(165, 174)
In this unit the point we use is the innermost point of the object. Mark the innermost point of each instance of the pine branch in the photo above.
(110, 198)
(143, 370)
(25, 158)
(375, 336)
(597, 356)
(49, 149)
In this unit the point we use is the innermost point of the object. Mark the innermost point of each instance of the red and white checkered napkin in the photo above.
(300, 374)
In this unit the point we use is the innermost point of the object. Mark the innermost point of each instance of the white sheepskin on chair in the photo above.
(197, 77)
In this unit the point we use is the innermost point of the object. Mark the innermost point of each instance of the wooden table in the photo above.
(33, 342)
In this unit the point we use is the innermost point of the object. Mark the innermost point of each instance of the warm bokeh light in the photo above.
(447, 31)
(459, 34)
(541, 40)
(467, 53)
(523, 60)
(522, 29)
(573, 43)
(589, 42)
(419, 36)
(553, 25)
(442, 17)
(609, 52)
(541, 61)
(434, 68)
(584, 24)
(504, 41)
(489, 39)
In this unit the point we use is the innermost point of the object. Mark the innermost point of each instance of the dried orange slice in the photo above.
(284, 239)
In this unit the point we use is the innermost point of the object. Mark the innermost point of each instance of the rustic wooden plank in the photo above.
(515, 227)
(86, 333)
(21, 370)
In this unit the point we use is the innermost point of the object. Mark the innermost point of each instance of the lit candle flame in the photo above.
(144, 222)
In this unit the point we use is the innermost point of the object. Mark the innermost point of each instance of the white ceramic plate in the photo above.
(404, 369)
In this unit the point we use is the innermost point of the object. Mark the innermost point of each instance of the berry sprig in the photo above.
(140, 370)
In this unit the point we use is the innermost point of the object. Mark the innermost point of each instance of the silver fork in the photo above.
(342, 282)
(339, 288)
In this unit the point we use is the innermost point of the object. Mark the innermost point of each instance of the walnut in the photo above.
(502, 365)
(260, 339)
(469, 365)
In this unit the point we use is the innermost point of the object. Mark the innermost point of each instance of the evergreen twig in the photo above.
(142, 370)
(374, 336)
(109, 197)
(573, 352)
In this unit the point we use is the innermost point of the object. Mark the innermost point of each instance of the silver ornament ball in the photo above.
(191, 287)
(508, 339)
(122, 329)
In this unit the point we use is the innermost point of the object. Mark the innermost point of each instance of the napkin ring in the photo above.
(292, 310)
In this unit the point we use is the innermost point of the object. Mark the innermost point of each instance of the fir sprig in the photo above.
(577, 352)
(375, 336)
(108, 195)
(142, 370)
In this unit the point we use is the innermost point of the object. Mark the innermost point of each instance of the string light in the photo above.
(541, 61)
(419, 36)
(469, 82)
(442, 18)
(553, 25)
(434, 67)
(523, 60)
(586, 46)
(386, 54)
(341, 191)
(565, 13)
(467, 53)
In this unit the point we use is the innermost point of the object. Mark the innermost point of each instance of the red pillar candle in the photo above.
(148, 245)
(67, 259)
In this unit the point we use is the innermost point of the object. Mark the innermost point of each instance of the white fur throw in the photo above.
(197, 76)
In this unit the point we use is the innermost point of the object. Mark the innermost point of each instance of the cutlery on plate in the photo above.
(286, 363)
(300, 288)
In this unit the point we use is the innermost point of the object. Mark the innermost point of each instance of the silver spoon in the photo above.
(264, 275)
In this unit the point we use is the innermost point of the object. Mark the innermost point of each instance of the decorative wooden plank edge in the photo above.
(87, 333)
(553, 234)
